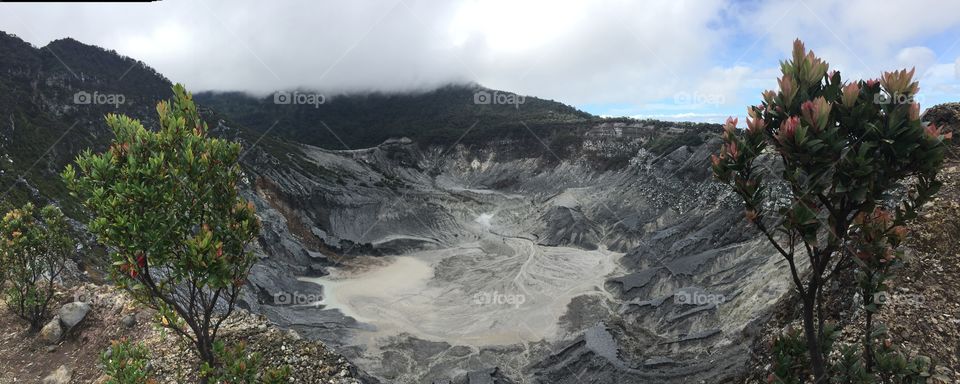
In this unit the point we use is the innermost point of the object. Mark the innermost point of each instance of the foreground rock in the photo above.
(61, 376)
(71, 314)
(52, 332)
(67, 317)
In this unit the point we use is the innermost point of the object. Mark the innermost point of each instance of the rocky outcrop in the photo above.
(71, 314)
(67, 317)
(947, 117)
(61, 375)
(52, 332)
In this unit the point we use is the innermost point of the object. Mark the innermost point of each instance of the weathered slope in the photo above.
(683, 234)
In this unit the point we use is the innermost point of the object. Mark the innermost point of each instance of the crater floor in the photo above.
(496, 290)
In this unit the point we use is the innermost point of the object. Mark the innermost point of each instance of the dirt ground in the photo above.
(24, 358)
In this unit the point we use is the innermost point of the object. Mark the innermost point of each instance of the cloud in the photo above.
(919, 57)
(638, 56)
(686, 116)
(856, 36)
(569, 50)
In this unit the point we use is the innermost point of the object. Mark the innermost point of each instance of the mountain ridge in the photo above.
(38, 110)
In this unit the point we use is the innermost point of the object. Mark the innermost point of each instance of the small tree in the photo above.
(33, 253)
(845, 149)
(167, 204)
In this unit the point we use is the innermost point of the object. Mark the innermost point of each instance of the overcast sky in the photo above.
(671, 59)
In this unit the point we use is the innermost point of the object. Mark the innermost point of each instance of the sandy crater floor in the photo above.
(495, 291)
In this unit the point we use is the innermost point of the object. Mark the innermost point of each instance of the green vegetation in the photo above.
(244, 368)
(126, 363)
(792, 363)
(441, 116)
(846, 148)
(42, 128)
(167, 202)
(33, 250)
(665, 144)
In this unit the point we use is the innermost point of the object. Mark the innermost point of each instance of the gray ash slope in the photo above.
(681, 305)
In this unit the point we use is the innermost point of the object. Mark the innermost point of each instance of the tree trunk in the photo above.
(867, 337)
(813, 341)
(35, 326)
(205, 350)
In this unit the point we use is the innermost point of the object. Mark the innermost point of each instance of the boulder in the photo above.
(72, 314)
(129, 321)
(316, 270)
(61, 376)
(52, 332)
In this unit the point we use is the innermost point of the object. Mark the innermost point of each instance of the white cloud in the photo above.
(686, 116)
(725, 83)
(919, 57)
(860, 37)
(637, 55)
(573, 51)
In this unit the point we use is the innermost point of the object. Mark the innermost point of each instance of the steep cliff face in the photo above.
(641, 273)
(52, 105)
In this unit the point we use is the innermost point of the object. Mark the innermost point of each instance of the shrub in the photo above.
(126, 363)
(33, 251)
(846, 149)
(243, 368)
(167, 203)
